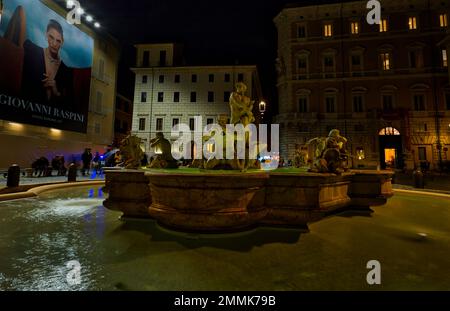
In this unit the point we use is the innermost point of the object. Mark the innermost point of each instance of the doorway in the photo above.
(390, 149)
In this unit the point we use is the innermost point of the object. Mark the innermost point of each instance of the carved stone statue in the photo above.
(241, 106)
(330, 154)
(131, 152)
(300, 158)
(279, 66)
(165, 159)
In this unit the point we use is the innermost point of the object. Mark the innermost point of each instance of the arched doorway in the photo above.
(391, 155)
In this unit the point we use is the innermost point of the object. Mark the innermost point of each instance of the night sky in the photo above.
(212, 32)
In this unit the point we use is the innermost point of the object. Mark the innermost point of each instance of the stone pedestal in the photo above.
(128, 191)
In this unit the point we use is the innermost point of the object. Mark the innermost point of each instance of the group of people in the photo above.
(41, 167)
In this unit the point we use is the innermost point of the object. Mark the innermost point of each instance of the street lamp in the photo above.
(262, 108)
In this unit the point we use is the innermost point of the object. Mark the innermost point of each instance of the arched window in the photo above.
(389, 131)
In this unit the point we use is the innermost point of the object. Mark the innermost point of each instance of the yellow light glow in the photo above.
(16, 126)
(55, 132)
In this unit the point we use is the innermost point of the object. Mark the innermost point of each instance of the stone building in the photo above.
(168, 93)
(123, 118)
(385, 86)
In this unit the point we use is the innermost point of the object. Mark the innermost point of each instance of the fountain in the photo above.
(212, 200)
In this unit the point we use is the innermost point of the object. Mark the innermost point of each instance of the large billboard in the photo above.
(45, 67)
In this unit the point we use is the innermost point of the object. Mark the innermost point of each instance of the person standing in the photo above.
(86, 157)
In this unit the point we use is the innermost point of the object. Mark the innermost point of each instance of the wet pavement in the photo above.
(410, 237)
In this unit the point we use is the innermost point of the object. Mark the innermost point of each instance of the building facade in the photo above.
(25, 142)
(168, 93)
(123, 118)
(384, 86)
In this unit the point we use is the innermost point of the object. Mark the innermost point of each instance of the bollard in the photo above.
(418, 179)
(72, 175)
(13, 176)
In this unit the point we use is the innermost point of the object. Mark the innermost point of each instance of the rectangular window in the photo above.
(193, 97)
(328, 61)
(358, 103)
(227, 77)
(330, 104)
(146, 59)
(194, 78)
(422, 153)
(162, 58)
(191, 124)
(97, 128)
(101, 69)
(177, 78)
(175, 121)
(159, 124)
(303, 104)
(176, 97)
(354, 28)
(384, 25)
(301, 31)
(142, 124)
(302, 63)
(211, 78)
(356, 60)
(386, 61)
(241, 77)
(444, 58)
(388, 103)
(144, 97)
(419, 102)
(161, 79)
(99, 103)
(226, 96)
(412, 23)
(160, 97)
(210, 97)
(412, 59)
(144, 79)
(443, 20)
(209, 121)
(328, 30)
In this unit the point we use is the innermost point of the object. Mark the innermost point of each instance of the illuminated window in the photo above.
(354, 28)
(386, 61)
(389, 131)
(327, 30)
(443, 20)
(384, 25)
(444, 58)
(412, 23)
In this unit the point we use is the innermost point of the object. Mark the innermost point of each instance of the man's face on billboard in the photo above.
(55, 41)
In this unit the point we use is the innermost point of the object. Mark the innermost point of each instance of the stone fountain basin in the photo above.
(208, 201)
(196, 200)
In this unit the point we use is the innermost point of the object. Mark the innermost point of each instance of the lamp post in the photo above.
(262, 109)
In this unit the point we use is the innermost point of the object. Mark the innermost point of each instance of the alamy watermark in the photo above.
(374, 275)
(74, 15)
(230, 141)
(374, 15)
(73, 277)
